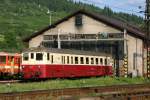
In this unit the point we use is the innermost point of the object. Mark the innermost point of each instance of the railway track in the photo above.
(126, 92)
(9, 81)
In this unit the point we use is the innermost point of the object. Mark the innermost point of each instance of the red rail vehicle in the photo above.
(62, 63)
(9, 63)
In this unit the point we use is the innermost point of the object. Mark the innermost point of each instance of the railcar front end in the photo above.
(9, 64)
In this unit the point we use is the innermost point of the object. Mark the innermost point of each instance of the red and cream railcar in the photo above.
(60, 63)
(9, 63)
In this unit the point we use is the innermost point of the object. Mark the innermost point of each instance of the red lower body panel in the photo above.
(64, 71)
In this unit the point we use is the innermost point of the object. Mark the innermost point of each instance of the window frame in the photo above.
(96, 61)
(76, 60)
(68, 60)
(79, 20)
(92, 61)
(48, 56)
(26, 56)
(101, 61)
(4, 62)
(81, 60)
(87, 60)
(32, 55)
(41, 56)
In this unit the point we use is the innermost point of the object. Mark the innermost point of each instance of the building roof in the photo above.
(131, 29)
(65, 51)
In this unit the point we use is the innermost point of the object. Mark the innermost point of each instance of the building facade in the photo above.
(93, 32)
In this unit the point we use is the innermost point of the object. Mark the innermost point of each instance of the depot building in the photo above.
(90, 31)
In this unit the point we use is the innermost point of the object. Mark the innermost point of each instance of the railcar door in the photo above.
(2, 63)
(16, 64)
(10, 68)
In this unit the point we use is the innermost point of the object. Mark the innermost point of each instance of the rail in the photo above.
(116, 91)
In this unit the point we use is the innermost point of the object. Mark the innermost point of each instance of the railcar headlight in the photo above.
(39, 66)
(22, 66)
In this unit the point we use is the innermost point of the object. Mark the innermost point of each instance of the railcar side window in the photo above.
(87, 60)
(105, 61)
(76, 60)
(17, 61)
(2, 59)
(39, 56)
(101, 61)
(52, 59)
(96, 61)
(25, 56)
(67, 59)
(62, 60)
(47, 56)
(92, 61)
(82, 60)
(71, 60)
(32, 55)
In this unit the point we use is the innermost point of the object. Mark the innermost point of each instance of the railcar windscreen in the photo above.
(25, 56)
(2, 59)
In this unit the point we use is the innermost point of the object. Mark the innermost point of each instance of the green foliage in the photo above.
(21, 18)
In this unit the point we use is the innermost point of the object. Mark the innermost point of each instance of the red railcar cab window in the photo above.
(39, 56)
(2, 59)
(17, 60)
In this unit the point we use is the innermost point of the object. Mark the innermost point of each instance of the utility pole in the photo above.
(147, 35)
(50, 16)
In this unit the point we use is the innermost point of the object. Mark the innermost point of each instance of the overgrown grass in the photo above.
(68, 83)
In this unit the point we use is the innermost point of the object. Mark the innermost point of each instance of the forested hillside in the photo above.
(21, 18)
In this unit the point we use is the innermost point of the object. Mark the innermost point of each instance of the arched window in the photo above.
(52, 59)
(76, 60)
(101, 61)
(71, 60)
(92, 60)
(82, 60)
(87, 60)
(105, 61)
(68, 60)
(47, 56)
(96, 61)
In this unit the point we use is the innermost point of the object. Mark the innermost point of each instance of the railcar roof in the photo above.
(65, 51)
(8, 54)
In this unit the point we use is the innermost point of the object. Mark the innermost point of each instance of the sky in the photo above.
(127, 6)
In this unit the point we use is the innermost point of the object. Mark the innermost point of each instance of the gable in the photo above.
(90, 26)
(113, 23)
